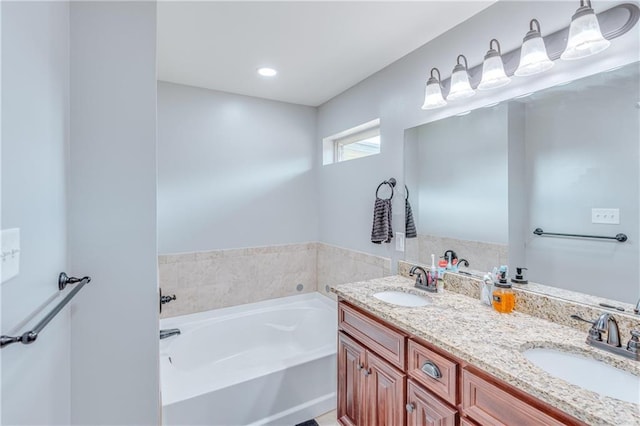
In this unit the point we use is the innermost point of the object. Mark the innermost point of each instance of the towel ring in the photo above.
(391, 182)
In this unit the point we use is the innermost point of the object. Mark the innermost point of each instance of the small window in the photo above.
(358, 142)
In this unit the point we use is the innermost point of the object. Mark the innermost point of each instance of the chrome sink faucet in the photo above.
(424, 280)
(606, 323)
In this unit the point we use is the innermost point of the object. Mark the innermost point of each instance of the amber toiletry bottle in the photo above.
(503, 297)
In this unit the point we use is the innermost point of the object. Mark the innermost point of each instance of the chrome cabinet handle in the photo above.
(410, 407)
(367, 372)
(360, 366)
(431, 370)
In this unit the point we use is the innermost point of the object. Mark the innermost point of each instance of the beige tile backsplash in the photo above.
(337, 265)
(219, 278)
(482, 256)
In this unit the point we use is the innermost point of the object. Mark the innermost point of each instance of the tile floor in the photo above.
(328, 419)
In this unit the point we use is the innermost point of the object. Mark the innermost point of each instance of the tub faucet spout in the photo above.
(169, 332)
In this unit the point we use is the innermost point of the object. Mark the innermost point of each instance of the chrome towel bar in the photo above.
(31, 336)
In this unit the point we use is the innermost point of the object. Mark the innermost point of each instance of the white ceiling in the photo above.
(319, 48)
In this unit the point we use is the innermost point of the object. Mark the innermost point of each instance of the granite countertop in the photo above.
(494, 342)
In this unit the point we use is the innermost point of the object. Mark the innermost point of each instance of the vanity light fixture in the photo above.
(493, 75)
(533, 53)
(460, 86)
(585, 37)
(433, 92)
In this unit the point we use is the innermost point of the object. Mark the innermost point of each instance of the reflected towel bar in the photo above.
(620, 237)
(31, 336)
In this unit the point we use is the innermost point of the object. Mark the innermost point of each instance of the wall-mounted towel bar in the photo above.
(31, 336)
(619, 237)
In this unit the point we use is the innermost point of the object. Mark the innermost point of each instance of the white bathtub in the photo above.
(271, 362)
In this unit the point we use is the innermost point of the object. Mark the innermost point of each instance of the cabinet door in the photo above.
(425, 409)
(351, 358)
(385, 393)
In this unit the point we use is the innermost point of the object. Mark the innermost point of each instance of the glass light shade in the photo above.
(460, 86)
(493, 75)
(433, 95)
(585, 38)
(533, 57)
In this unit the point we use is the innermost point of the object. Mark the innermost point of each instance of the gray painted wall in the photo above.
(394, 94)
(112, 213)
(233, 171)
(35, 108)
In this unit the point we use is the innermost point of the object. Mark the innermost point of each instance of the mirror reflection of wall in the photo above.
(544, 161)
(458, 173)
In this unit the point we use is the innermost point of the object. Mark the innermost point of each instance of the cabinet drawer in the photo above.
(489, 405)
(381, 339)
(433, 371)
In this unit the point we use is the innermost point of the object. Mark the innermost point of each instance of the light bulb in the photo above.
(533, 54)
(493, 75)
(433, 92)
(585, 37)
(460, 86)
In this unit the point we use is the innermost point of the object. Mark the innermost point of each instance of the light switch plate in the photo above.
(609, 216)
(10, 253)
(399, 241)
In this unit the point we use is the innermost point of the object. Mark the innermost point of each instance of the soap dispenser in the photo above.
(520, 279)
(503, 298)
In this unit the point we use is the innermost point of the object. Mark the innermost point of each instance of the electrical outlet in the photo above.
(608, 216)
(399, 241)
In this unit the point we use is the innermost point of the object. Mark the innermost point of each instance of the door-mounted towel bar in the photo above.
(391, 182)
(619, 237)
(31, 336)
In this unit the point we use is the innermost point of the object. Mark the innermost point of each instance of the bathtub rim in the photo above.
(169, 374)
(196, 317)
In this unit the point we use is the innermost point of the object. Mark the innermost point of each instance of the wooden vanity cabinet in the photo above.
(386, 377)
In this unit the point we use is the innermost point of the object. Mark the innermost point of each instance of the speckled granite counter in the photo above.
(493, 342)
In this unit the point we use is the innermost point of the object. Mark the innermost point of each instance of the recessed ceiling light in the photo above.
(267, 72)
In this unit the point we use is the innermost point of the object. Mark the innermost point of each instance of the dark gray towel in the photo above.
(409, 224)
(381, 231)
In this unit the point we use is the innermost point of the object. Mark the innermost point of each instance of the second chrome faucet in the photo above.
(424, 279)
(606, 323)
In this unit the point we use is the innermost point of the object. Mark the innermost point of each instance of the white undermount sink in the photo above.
(587, 373)
(401, 298)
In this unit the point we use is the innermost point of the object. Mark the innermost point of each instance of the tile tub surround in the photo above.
(216, 279)
(219, 278)
(482, 256)
(337, 265)
(494, 342)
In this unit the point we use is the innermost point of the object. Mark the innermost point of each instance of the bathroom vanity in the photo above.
(456, 361)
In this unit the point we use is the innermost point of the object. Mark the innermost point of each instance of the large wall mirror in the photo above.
(481, 183)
